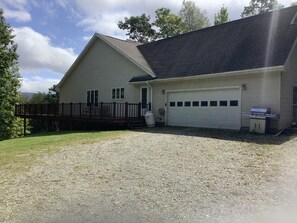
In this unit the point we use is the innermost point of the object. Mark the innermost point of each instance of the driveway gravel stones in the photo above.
(158, 175)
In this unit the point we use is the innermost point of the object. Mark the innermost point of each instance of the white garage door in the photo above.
(205, 108)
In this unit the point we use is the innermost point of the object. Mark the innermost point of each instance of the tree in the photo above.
(168, 23)
(260, 6)
(138, 28)
(222, 16)
(38, 98)
(9, 81)
(192, 16)
(52, 97)
(293, 4)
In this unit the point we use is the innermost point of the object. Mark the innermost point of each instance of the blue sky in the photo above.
(51, 33)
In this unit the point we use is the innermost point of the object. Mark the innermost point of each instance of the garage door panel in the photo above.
(219, 112)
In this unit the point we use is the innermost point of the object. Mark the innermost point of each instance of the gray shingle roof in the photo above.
(129, 48)
(243, 44)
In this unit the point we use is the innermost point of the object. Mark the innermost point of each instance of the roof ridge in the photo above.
(223, 24)
(125, 41)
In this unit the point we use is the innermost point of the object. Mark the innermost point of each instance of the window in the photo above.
(122, 93)
(195, 103)
(179, 104)
(118, 93)
(213, 103)
(92, 97)
(187, 104)
(172, 104)
(204, 103)
(113, 93)
(223, 103)
(234, 103)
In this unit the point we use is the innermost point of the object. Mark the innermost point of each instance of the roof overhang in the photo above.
(125, 55)
(216, 75)
(76, 62)
(86, 49)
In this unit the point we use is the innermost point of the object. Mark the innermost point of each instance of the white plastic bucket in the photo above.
(149, 119)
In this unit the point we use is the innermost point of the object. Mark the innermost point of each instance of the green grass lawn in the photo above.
(20, 153)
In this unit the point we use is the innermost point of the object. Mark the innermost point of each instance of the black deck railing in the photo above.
(113, 110)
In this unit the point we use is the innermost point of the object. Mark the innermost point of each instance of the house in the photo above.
(206, 78)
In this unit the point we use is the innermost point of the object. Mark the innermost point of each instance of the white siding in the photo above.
(102, 69)
(288, 80)
(261, 90)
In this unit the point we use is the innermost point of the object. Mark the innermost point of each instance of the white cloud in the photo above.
(104, 23)
(37, 52)
(17, 4)
(62, 3)
(87, 38)
(102, 16)
(20, 16)
(37, 84)
(15, 9)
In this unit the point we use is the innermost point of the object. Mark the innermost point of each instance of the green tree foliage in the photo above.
(38, 98)
(222, 16)
(193, 17)
(169, 24)
(138, 28)
(293, 4)
(260, 6)
(9, 82)
(52, 97)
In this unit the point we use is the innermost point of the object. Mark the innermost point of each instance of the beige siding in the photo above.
(261, 90)
(102, 69)
(288, 80)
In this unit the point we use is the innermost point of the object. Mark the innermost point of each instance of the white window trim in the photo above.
(94, 95)
(115, 98)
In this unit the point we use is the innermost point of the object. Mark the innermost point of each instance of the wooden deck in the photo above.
(102, 113)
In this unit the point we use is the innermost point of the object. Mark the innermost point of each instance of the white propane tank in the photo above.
(149, 119)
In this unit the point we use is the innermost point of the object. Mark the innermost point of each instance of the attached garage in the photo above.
(207, 108)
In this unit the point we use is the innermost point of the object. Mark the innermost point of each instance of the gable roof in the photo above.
(255, 42)
(128, 49)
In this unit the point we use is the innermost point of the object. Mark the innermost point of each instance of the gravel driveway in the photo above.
(159, 175)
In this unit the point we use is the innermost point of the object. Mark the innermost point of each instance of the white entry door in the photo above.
(219, 108)
(144, 100)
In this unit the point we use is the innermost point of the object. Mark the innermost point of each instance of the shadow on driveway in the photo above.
(230, 135)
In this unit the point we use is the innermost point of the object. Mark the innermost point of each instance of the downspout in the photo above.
(151, 95)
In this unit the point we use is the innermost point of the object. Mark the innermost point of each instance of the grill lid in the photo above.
(260, 110)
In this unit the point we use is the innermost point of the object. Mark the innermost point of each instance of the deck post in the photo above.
(71, 109)
(62, 109)
(42, 125)
(80, 109)
(25, 126)
(139, 109)
(48, 109)
(35, 110)
(101, 110)
(90, 110)
(114, 109)
(126, 110)
(55, 110)
(24, 110)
